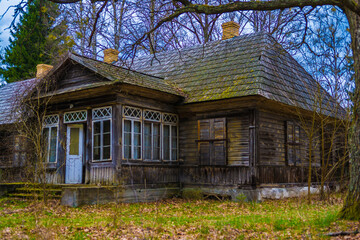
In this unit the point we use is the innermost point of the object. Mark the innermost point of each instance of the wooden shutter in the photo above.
(212, 141)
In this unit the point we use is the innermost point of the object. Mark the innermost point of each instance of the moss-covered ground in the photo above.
(174, 219)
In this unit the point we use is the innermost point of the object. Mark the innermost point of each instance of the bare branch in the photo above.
(96, 20)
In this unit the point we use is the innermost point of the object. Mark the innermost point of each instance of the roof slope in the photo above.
(10, 97)
(116, 74)
(253, 64)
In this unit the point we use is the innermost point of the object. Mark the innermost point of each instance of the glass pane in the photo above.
(106, 126)
(137, 127)
(74, 141)
(173, 137)
(106, 153)
(127, 139)
(147, 141)
(46, 142)
(96, 153)
(174, 154)
(106, 139)
(156, 141)
(127, 126)
(97, 140)
(53, 142)
(166, 142)
(137, 153)
(97, 129)
(137, 140)
(127, 152)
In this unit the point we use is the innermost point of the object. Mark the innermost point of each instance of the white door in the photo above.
(74, 153)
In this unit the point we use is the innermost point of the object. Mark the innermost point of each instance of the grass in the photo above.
(173, 219)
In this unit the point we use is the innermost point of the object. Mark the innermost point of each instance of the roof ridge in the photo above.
(115, 66)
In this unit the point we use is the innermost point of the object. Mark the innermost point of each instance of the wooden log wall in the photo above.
(217, 176)
(237, 137)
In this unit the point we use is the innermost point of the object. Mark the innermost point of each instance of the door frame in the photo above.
(81, 149)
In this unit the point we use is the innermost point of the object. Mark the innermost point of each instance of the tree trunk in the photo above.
(351, 208)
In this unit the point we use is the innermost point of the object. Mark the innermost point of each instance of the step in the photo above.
(27, 189)
(30, 195)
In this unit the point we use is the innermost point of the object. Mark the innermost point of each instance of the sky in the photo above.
(6, 20)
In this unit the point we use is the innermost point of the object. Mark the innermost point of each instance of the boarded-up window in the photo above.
(212, 141)
(293, 143)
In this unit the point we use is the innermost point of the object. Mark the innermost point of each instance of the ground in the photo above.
(174, 219)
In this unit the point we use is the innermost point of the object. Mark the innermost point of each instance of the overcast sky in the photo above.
(6, 20)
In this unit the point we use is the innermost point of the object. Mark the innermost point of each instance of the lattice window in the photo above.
(51, 120)
(152, 115)
(101, 113)
(170, 118)
(78, 116)
(132, 112)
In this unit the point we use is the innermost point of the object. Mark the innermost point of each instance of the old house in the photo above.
(222, 117)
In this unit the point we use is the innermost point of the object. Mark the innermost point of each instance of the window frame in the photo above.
(132, 120)
(293, 144)
(170, 142)
(211, 140)
(50, 126)
(101, 146)
(152, 141)
(142, 119)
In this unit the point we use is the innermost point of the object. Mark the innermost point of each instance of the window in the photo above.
(50, 137)
(149, 135)
(293, 143)
(212, 141)
(170, 137)
(102, 133)
(132, 133)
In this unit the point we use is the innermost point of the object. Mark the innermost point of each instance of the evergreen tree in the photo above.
(37, 38)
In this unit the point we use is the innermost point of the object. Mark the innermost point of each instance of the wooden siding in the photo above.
(286, 174)
(77, 76)
(237, 139)
(131, 174)
(272, 140)
(54, 177)
(102, 175)
(217, 176)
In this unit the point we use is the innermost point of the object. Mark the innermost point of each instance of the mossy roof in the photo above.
(11, 96)
(253, 64)
(118, 74)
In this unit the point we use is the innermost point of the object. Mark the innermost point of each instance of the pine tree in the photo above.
(37, 38)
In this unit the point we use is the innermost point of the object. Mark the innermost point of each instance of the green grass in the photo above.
(174, 219)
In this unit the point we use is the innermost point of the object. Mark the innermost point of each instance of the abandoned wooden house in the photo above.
(222, 117)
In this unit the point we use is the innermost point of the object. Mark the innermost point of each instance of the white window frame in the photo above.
(49, 126)
(142, 120)
(152, 122)
(170, 142)
(75, 121)
(101, 120)
(132, 119)
(101, 140)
